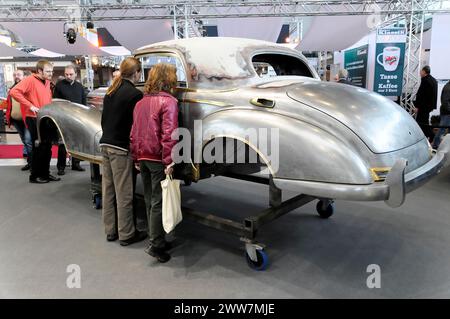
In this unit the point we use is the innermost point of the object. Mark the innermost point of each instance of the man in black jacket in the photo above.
(426, 100)
(342, 77)
(445, 115)
(72, 90)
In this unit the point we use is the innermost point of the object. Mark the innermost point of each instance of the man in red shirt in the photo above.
(33, 93)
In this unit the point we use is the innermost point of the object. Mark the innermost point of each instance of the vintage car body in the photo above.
(335, 141)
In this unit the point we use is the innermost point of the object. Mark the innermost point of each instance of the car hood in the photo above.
(379, 122)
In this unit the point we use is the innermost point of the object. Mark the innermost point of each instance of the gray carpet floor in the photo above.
(45, 228)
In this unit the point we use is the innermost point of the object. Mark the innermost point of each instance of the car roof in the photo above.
(222, 61)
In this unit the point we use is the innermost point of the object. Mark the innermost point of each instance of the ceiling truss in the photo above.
(84, 10)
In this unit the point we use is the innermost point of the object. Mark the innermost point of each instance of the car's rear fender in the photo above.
(305, 152)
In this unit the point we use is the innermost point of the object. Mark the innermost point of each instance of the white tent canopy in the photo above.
(334, 33)
(118, 51)
(133, 34)
(49, 35)
(46, 54)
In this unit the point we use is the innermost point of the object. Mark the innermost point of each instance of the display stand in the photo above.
(246, 229)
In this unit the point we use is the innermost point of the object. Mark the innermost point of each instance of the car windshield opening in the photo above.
(150, 60)
(269, 65)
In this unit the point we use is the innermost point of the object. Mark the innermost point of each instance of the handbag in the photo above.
(171, 203)
(16, 112)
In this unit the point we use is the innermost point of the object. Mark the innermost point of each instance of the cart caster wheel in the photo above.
(327, 212)
(97, 201)
(261, 264)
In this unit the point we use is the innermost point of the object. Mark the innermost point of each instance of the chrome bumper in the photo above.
(392, 190)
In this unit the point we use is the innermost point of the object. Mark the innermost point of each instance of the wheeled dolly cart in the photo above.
(247, 229)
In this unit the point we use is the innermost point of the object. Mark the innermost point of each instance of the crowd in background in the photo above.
(137, 130)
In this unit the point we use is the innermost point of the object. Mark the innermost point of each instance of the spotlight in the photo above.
(71, 35)
(90, 25)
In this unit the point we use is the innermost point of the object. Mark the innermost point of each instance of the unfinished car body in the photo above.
(335, 141)
(321, 140)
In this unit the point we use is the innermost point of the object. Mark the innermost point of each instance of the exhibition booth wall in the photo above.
(435, 52)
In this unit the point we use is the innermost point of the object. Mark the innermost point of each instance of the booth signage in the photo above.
(389, 61)
(355, 62)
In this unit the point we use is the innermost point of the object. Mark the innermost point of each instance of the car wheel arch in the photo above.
(243, 140)
(47, 119)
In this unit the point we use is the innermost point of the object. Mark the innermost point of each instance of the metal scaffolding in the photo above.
(97, 10)
(413, 56)
(185, 22)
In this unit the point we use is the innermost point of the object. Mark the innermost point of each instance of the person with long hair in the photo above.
(155, 118)
(117, 181)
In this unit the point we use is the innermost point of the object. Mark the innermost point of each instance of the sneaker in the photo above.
(25, 168)
(137, 237)
(61, 172)
(158, 253)
(112, 237)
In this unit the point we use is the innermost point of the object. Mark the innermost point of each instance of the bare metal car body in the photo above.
(335, 141)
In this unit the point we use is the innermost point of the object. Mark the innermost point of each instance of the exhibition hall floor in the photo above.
(45, 228)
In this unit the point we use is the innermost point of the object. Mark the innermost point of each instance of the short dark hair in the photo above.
(426, 69)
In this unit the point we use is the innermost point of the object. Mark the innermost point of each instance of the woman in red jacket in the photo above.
(155, 118)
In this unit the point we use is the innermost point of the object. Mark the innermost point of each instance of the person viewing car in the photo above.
(155, 118)
(32, 93)
(14, 116)
(117, 182)
(426, 100)
(342, 77)
(69, 89)
(445, 115)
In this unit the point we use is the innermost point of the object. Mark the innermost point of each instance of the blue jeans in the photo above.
(445, 121)
(25, 136)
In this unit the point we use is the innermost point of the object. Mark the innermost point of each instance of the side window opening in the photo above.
(267, 65)
(150, 60)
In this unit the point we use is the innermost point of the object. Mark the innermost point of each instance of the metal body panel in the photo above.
(332, 137)
(379, 190)
(366, 113)
(77, 125)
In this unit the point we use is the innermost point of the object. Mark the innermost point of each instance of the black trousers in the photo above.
(62, 156)
(423, 119)
(41, 151)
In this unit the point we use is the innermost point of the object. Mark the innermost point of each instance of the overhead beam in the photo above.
(41, 11)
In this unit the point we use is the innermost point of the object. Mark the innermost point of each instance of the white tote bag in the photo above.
(171, 203)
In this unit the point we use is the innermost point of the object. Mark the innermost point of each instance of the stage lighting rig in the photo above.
(70, 32)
